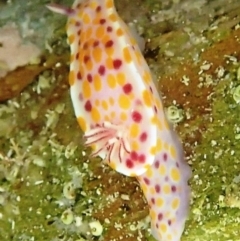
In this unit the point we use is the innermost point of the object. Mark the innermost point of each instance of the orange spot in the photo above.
(97, 54)
(71, 38)
(100, 32)
(124, 102)
(105, 105)
(175, 203)
(109, 4)
(96, 117)
(127, 55)
(163, 227)
(111, 81)
(147, 98)
(113, 17)
(173, 152)
(111, 101)
(175, 175)
(82, 123)
(159, 202)
(119, 32)
(88, 33)
(109, 51)
(123, 116)
(134, 130)
(86, 89)
(135, 146)
(162, 170)
(109, 63)
(166, 189)
(97, 83)
(71, 77)
(146, 77)
(121, 78)
(86, 18)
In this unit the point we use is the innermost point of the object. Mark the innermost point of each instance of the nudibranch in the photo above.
(121, 114)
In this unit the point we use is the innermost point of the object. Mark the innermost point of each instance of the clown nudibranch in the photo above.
(121, 113)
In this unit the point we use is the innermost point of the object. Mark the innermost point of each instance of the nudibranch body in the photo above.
(121, 114)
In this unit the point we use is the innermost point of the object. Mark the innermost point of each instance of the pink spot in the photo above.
(102, 21)
(117, 63)
(79, 76)
(109, 44)
(98, 9)
(146, 180)
(129, 163)
(86, 59)
(142, 158)
(165, 156)
(109, 29)
(134, 155)
(136, 116)
(95, 43)
(157, 188)
(88, 106)
(156, 164)
(127, 88)
(143, 137)
(89, 78)
(174, 188)
(160, 216)
(101, 70)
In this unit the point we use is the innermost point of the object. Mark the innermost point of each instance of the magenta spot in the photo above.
(153, 200)
(151, 89)
(86, 59)
(177, 164)
(89, 78)
(129, 163)
(101, 70)
(95, 43)
(136, 116)
(157, 188)
(160, 216)
(146, 180)
(155, 109)
(102, 21)
(109, 29)
(79, 76)
(109, 44)
(127, 88)
(134, 155)
(98, 9)
(157, 164)
(85, 45)
(174, 188)
(77, 55)
(143, 137)
(77, 24)
(142, 158)
(117, 63)
(88, 106)
(169, 222)
(165, 156)
(80, 96)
